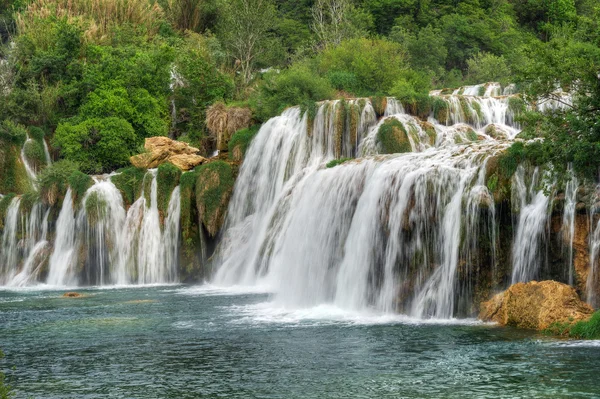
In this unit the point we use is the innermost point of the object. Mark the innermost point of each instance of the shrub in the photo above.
(54, 181)
(240, 141)
(374, 63)
(294, 86)
(136, 106)
(34, 152)
(12, 133)
(98, 144)
(129, 181)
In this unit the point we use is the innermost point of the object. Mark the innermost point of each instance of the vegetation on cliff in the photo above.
(214, 186)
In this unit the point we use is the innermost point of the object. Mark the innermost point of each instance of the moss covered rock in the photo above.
(393, 137)
(240, 142)
(129, 181)
(13, 176)
(167, 178)
(214, 185)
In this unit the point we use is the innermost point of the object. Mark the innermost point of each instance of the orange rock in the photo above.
(535, 305)
(162, 149)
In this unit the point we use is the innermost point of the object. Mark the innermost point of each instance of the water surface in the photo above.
(202, 342)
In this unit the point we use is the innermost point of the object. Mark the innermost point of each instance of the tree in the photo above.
(245, 31)
(338, 20)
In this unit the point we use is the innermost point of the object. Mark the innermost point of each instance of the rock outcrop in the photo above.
(162, 149)
(535, 305)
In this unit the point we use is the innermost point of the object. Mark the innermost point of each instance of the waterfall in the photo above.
(9, 250)
(592, 280)
(568, 221)
(533, 214)
(103, 214)
(171, 235)
(33, 259)
(383, 232)
(28, 167)
(64, 256)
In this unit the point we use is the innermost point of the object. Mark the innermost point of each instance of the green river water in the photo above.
(203, 342)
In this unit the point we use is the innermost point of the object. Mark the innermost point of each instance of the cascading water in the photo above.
(384, 232)
(533, 215)
(568, 221)
(95, 241)
(9, 253)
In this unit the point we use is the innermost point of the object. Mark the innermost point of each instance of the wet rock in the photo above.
(162, 149)
(72, 295)
(535, 305)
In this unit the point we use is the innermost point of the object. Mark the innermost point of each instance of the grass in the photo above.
(393, 138)
(336, 162)
(585, 329)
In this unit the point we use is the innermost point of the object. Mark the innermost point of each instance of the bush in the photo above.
(294, 86)
(374, 63)
(54, 181)
(412, 90)
(240, 141)
(129, 181)
(12, 133)
(136, 106)
(98, 144)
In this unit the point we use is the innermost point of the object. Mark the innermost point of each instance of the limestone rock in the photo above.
(72, 295)
(535, 305)
(162, 149)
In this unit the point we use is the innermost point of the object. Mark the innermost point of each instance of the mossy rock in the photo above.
(379, 105)
(340, 125)
(129, 182)
(214, 186)
(13, 176)
(35, 155)
(167, 178)
(95, 208)
(430, 131)
(393, 138)
(79, 183)
(440, 110)
(240, 142)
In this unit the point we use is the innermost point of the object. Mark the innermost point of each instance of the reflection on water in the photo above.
(203, 342)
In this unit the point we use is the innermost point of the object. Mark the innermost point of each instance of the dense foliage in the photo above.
(98, 76)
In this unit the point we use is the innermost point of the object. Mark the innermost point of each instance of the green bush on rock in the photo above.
(336, 162)
(393, 138)
(54, 181)
(98, 144)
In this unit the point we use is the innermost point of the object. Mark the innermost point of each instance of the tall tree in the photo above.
(245, 31)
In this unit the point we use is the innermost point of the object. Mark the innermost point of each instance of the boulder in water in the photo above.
(72, 295)
(162, 149)
(535, 305)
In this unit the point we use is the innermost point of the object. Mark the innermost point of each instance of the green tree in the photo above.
(245, 30)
